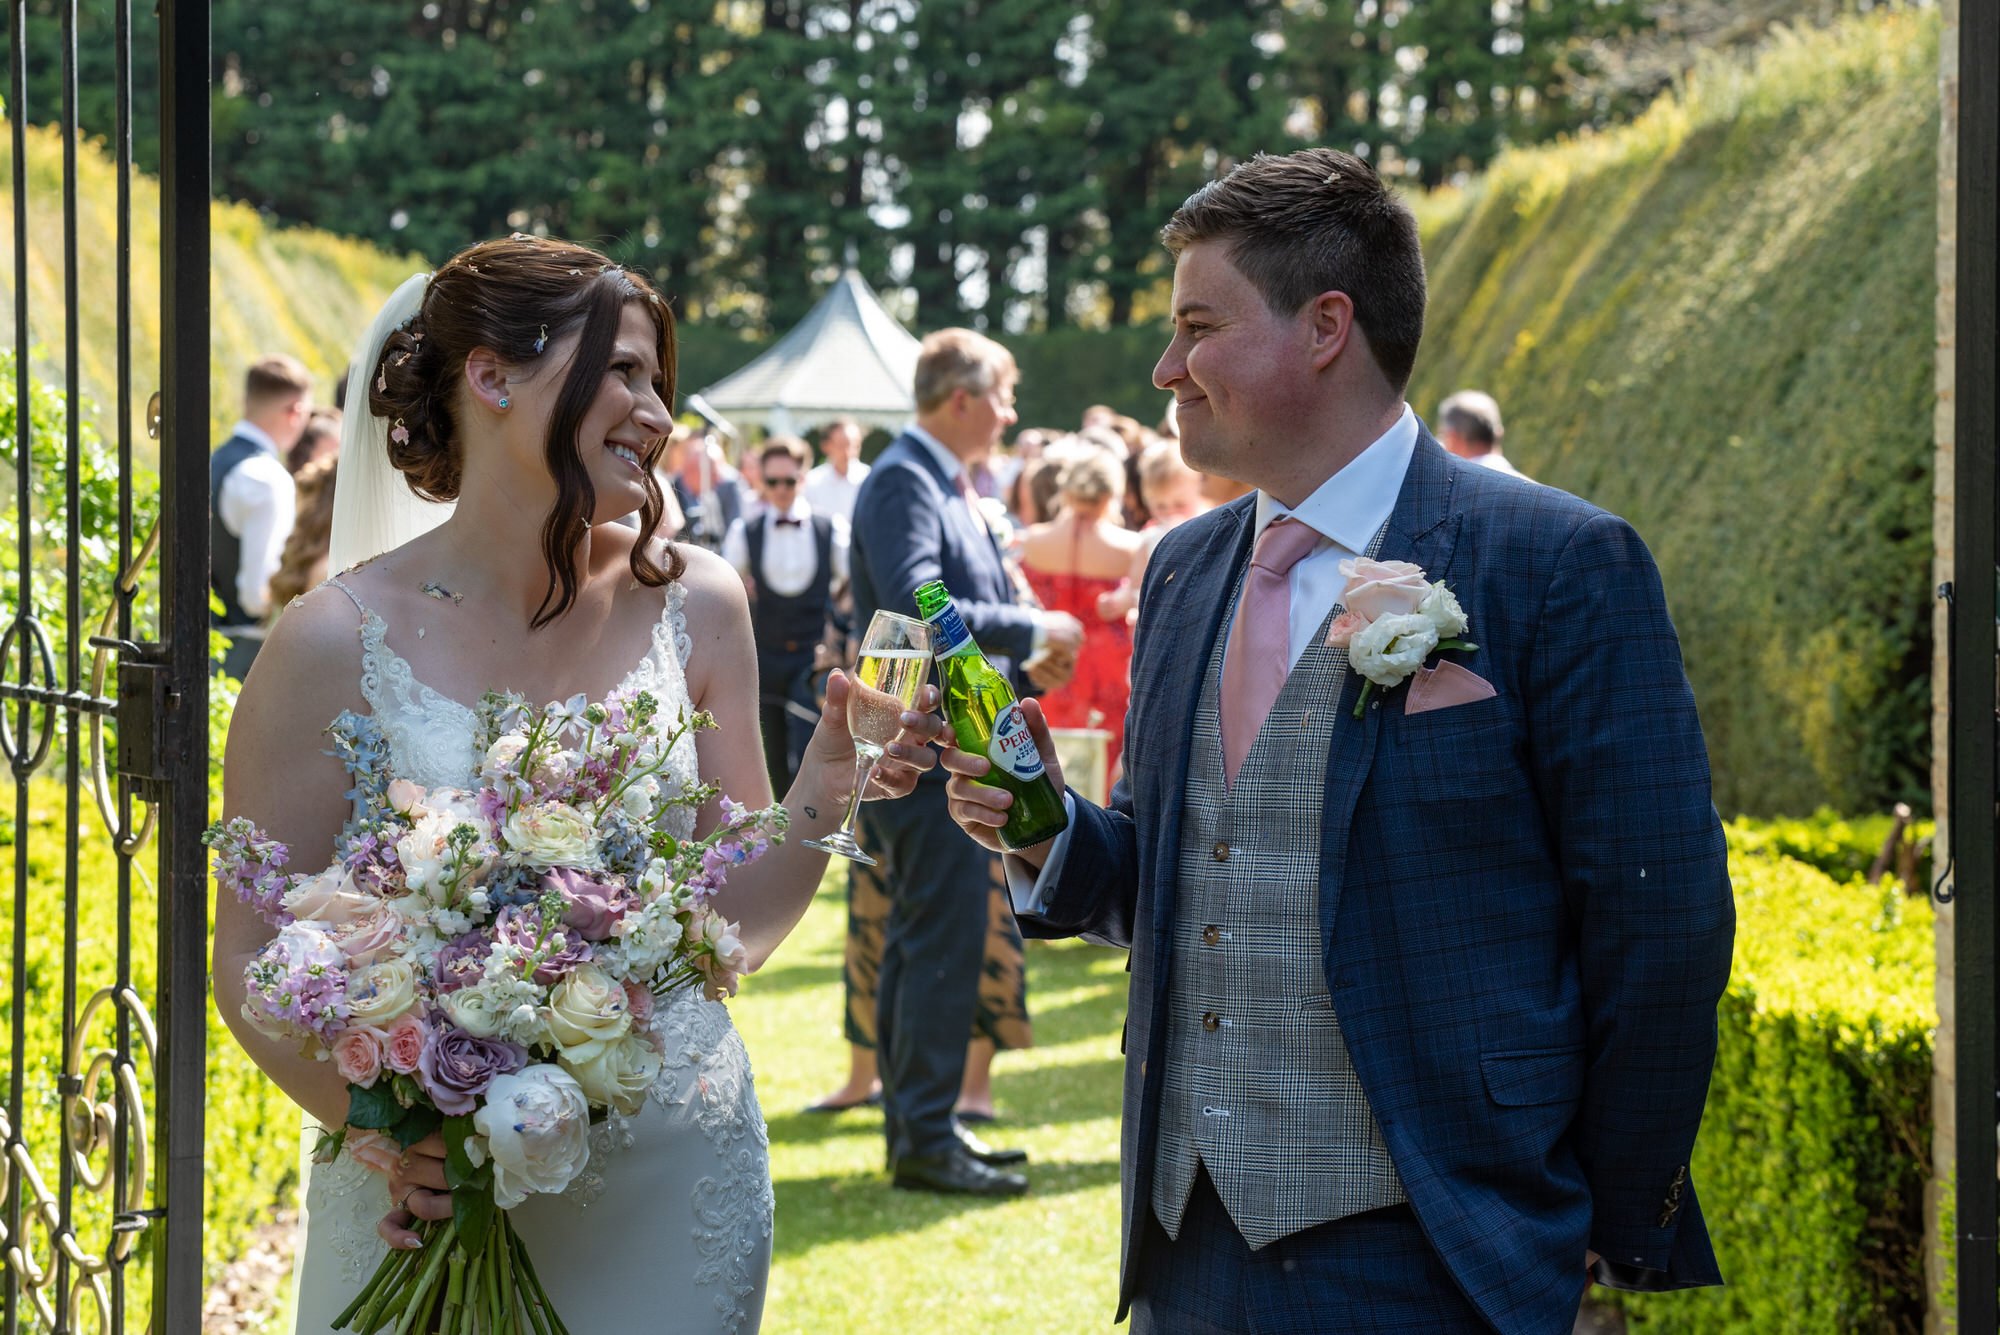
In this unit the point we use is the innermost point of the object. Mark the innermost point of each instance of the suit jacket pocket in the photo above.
(1541, 1075)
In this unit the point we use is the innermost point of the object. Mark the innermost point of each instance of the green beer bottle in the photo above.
(981, 708)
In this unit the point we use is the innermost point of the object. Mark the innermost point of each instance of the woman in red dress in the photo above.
(1071, 562)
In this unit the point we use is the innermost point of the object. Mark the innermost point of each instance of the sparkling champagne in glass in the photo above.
(895, 660)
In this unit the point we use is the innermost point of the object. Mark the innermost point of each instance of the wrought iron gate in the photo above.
(104, 698)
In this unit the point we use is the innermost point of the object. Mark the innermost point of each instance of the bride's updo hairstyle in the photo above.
(518, 297)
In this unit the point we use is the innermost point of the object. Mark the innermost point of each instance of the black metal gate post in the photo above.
(1975, 945)
(184, 205)
(101, 1134)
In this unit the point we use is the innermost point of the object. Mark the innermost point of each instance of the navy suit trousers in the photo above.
(933, 949)
(1367, 1273)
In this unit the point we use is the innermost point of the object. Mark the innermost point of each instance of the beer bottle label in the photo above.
(952, 635)
(1012, 749)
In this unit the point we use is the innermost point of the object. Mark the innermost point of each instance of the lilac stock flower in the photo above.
(456, 1068)
(591, 908)
(252, 867)
(297, 984)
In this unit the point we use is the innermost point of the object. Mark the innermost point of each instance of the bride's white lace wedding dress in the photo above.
(670, 1225)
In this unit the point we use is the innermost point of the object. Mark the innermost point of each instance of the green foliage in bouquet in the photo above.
(1815, 1145)
(1718, 322)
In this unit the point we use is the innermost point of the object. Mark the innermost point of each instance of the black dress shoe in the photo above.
(985, 1153)
(955, 1172)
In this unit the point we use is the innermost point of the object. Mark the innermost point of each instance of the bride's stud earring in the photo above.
(503, 405)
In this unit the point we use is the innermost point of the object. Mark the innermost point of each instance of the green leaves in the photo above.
(472, 1205)
(378, 1108)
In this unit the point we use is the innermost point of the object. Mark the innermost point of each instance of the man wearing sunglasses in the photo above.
(794, 563)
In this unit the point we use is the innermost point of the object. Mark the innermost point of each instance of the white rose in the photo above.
(587, 1011)
(492, 1009)
(379, 995)
(618, 1074)
(1441, 607)
(553, 834)
(1389, 650)
(537, 1128)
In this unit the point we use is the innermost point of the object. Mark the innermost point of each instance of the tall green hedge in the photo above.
(1718, 322)
(1815, 1144)
(273, 289)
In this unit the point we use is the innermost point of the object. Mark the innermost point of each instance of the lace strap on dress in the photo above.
(676, 622)
(373, 650)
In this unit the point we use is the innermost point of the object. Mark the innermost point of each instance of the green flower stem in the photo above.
(524, 1295)
(391, 1264)
(437, 1249)
(541, 1304)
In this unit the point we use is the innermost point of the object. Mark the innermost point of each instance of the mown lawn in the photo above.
(853, 1255)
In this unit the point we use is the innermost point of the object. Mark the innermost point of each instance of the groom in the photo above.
(1423, 983)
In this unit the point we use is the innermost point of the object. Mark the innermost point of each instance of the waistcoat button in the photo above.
(1211, 935)
(1209, 1020)
(1221, 851)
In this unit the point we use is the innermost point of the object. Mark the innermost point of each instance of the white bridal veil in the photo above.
(374, 510)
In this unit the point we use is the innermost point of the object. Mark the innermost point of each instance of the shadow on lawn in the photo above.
(856, 1208)
(1036, 1097)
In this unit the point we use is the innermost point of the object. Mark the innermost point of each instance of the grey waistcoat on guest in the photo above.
(1259, 1087)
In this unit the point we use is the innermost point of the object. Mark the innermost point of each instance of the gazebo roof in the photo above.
(847, 358)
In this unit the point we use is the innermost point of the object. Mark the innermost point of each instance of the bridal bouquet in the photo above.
(481, 963)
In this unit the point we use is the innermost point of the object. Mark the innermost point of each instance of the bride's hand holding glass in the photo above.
(905, 759)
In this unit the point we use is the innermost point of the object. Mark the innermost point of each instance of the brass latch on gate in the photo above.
(146, 716)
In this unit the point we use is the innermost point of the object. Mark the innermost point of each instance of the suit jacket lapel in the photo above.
(1192, 598)
(954, 511)
(1423, 528)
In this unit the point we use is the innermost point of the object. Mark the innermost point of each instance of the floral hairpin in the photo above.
(542, 339)
(381, 382)
(399, 433)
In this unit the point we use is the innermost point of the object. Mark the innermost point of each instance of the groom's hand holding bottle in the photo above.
(981, 809)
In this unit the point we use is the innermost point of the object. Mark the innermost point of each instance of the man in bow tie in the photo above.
(1414, 852)
(793, 562)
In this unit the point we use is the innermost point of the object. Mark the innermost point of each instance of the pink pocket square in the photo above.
(1446, 685)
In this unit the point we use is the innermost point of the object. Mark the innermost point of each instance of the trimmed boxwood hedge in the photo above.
(1718, 322)
(1815, 1145)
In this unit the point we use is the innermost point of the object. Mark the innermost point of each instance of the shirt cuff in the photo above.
(1028, 890)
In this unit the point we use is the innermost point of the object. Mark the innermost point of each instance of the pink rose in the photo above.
(1376, 589)
(405, 797)
(639, 1001)
(373, 1150)
(357, 1055)
(404, 1043)
(332, 899)
(1343, 630)
(372, 939)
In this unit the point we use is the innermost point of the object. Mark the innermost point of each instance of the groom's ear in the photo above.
(486, 377)
(1330, 318)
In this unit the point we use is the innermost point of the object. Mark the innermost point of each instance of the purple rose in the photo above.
(523, 927)
(456, 1068)
(462, 962)
(590, 908)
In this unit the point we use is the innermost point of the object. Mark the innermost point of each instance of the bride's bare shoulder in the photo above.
(715, 594)
(308, 671)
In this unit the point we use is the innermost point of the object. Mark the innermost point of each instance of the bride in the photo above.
(528, 381)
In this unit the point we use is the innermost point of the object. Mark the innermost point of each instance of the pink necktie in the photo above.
(1259, 656)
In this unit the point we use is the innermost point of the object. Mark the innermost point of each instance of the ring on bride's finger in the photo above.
(405, 1206)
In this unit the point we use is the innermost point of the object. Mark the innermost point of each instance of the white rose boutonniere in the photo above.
(1393, 619)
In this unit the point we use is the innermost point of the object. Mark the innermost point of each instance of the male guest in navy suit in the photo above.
(1424, 963)
(917, 519)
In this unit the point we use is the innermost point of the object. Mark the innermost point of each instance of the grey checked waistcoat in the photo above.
(1259, 1086)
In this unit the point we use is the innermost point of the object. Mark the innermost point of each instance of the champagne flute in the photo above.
(895, 659)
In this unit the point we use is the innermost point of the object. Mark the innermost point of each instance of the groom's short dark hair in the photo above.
(1315, 221)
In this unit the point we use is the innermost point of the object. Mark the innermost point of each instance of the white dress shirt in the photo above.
(832, 491)
(791, 556)
(1347, 509)
(257, 505)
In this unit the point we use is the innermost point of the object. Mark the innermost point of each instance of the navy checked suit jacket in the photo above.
(911, 526)
(1525, 911)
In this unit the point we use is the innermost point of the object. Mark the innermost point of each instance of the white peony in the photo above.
(1441, 607)
(588, 1010)
(617, 1074)
(550, 835)
(310, 945)
(537, 1128)
(423, 850)
(649, 938)
(1390, 649)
